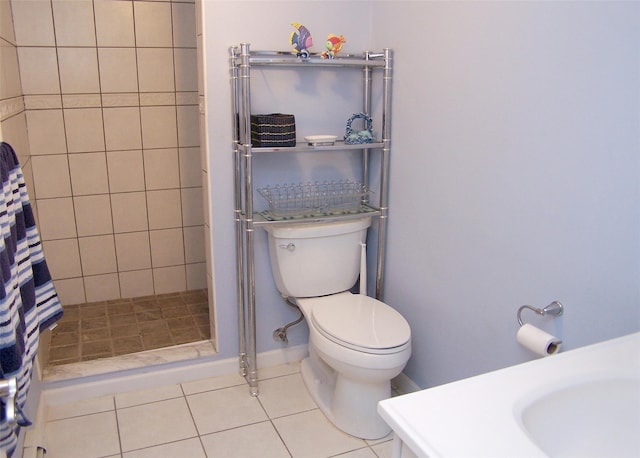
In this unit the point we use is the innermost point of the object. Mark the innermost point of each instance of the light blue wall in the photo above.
(515, 176)
(515, 165)
(322, 105)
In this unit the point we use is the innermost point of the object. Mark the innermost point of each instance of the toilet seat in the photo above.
(360, 322)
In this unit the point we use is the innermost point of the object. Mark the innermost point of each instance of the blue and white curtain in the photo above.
(28, 300)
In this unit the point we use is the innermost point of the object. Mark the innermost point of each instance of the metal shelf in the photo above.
(288, 59)
(304, 147)
(265, 217)
(241, 62)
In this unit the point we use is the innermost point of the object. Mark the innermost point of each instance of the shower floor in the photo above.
(118, 327)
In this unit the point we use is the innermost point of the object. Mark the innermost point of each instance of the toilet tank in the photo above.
(316, 259)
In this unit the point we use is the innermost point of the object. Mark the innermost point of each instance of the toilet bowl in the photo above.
(352, 361)
(357, 344)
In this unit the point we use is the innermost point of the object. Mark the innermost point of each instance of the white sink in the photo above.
(592, 419)
(581, 403)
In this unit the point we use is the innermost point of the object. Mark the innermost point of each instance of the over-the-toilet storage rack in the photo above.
(241, 60)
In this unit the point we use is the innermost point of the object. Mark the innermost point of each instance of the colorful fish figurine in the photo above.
(334, 45)
(301, 40)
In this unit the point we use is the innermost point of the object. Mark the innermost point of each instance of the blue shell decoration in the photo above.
(356, 137)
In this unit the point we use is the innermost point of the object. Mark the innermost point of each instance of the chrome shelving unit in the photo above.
(241, 60)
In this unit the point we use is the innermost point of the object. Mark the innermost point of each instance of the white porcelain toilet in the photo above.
(357, 344)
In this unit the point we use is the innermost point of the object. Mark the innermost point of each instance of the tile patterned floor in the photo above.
(123, 326)
(213, 417)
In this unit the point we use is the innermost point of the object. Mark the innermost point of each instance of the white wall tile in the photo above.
(192, 210)
(84, 130)
(184, 25)
(120, 100)
(185, 63)
(122, 128)
(153, 24)
(81, 100)
(126, 171)
(6, 23)
(33, 23)
(157, 98)
(63, 258)
(118, 71)
(136, 283)
(51, 174)
(161, 169)
(46, 132)
(56, 218)
(155, 69)
(196, 276)
(114, 23)
(194, 244)
(169, 279)
(9, 71)
(133, 251)
(78, 70)
(159, 129)
(101, 288)
(70, 291)
(164, 209)
(98, 254)
(93, 215)
(129, 212)
(88, 173)
(190, 170)
(188, 125)
(73, 22)
(166, 247)
(39, 70)
(42, 102)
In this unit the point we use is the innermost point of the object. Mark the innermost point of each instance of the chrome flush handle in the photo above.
(290, 247)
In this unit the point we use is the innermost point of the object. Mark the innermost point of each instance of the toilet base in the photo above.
(350, 405)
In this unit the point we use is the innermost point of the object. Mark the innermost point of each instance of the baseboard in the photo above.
(404, 385)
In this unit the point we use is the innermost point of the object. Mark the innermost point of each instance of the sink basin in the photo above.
(580, 403)
(591, 419)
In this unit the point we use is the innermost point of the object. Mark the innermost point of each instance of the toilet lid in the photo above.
(360, 321)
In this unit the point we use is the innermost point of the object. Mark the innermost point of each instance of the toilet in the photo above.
(357, 344)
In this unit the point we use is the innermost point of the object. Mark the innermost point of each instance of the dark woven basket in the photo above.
(273, 130)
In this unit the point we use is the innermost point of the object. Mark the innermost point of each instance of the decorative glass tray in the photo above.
(314, 199)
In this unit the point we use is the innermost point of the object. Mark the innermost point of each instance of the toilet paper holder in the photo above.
(554, 309)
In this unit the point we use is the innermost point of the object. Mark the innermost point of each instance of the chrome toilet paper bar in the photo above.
(554, 309)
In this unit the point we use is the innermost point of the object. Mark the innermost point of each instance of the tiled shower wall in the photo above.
(13, 125)
(111, 96)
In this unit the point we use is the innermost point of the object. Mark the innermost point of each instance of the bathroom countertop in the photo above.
(482, 416)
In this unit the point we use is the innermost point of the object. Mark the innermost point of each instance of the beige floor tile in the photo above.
(360, 453)
(265, 373)
(285, 396)
(155, 424)
(78, 408)
(224, 409)
(310, 435)
(213, 383)
(383, 449)
(189, 448)
(88, 436)
(139, 397)
(257, 440)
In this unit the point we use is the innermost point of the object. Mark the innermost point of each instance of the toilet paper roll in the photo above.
(537, 340)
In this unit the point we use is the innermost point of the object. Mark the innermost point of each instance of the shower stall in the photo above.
(113, 152)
